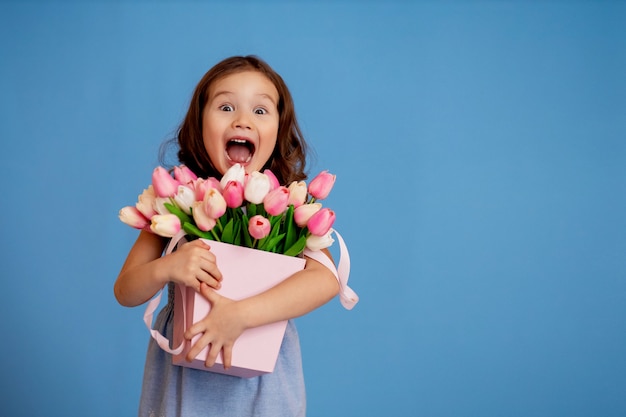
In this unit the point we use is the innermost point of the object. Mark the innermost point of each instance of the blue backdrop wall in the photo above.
(480, 149)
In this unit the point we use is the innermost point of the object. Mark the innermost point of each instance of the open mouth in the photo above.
(239, 150)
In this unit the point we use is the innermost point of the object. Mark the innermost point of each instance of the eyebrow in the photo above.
(226, 92)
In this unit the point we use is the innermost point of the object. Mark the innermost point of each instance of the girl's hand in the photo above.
(192, 264)
(220, 328)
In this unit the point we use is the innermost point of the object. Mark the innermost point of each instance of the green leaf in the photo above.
(237, 237)
(296, 248)
(191, 229)
(247, 239)
(275, 220)
(174, 209)
(251, 210)
(290, 227)
(270, 243)
(228, 234)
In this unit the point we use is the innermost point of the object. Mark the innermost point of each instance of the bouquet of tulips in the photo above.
(251, 210)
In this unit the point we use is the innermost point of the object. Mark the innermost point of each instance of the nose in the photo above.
(242, 121)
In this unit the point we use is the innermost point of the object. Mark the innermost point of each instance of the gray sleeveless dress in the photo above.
(169, 390)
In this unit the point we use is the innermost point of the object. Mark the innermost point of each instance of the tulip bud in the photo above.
(146, 204)
(133, 217)
(184, 198)
(320, 223)
(203, 221)
(200, 186)
(214, 203)
(314, 242)
(275, 202)
(233, 194)
(257, 187)
(214, 183)
(234, 173)
(159, 205)
(321, 185)
(184, 175)
(297, 193)
(164, 184)
(166, 225)
(274, 184)
(302, 214)
(259, 227)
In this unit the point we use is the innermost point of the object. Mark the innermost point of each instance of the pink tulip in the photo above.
(203, 221)
(215, 183)
(166, 225)
(320, 223)
(321, 185)
(164, 184)
(274, 184)
(200, 186)
(184, 175)
(146, 203)
(133, 217)
(214, 203)
(233, 194)
(257, 187)
(302, 214)
(259, 227)
(297, 193)
(275, 202)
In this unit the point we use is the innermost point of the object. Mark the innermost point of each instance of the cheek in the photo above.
(212, 146)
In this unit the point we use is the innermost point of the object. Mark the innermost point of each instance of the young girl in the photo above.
(241, 112)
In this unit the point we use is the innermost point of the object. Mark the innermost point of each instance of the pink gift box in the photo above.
(246, 272)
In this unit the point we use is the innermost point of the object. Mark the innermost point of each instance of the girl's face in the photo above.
(240, 121)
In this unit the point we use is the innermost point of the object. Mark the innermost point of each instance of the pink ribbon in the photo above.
(347, 296)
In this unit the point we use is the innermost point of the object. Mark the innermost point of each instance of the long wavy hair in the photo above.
(288, 160)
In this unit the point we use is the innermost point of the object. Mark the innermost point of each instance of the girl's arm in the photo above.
(299, 294)
(145, 271)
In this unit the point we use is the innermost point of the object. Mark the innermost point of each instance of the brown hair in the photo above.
(288, 160)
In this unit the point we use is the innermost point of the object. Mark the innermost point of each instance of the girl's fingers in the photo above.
(211, 357)
(227, 355)
(211, 268)
(208, 293)
(200, 344)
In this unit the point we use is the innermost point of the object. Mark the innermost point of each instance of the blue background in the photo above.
(480, 149)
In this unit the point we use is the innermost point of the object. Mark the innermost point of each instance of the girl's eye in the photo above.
(260, 110)
(226, 107)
